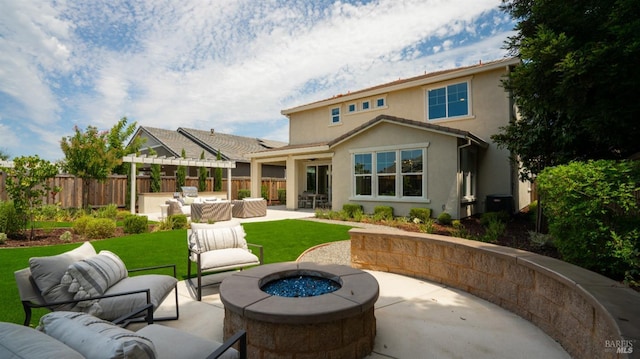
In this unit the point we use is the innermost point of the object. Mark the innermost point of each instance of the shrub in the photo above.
(423, 214)
(383, 213)
(9, 218)
(282, 196)
(540, 239)
(489, 217)
(350, 209)
(47, 212)
(533, 211)
(66, 236)
(428, 226)
(3, 237)
(495, 228)
(80, 224)
(136, 224)
(178, 221)
(459, 230)
(264, 192)
(444, 218)
(244, 193)
(99, 228)
(109, 211)
(593, 215)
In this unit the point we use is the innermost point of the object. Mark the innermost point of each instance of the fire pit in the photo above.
(336, 324)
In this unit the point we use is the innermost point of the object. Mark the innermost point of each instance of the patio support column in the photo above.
(132, 198)
(229, 184)
(292, 183)
(256, 179)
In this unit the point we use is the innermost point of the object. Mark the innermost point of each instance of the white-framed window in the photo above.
(381, 102)
(448, 101)
(399, 173)
(335, 115)
(352, 107)
(365, 105)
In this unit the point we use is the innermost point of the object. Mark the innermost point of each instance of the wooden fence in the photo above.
(114, 189)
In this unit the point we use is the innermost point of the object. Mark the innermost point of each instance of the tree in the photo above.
(156, 181)
(3, 155)
(218, 175)
(27, 185)
(202, 176)
(94, 155)
(575, 88)
(116, 139)
(181, 174)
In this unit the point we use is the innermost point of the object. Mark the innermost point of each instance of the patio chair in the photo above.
(82, 280)
(218, 247)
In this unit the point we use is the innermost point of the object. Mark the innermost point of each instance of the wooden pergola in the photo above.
(175, 161)
(6, 164)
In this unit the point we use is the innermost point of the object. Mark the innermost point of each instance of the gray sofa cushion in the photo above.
(20, 342)
(95, 338)
(47, 272)
(159, 284)
(172, 343)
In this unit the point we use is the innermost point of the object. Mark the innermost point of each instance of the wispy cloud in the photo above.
(229, 65)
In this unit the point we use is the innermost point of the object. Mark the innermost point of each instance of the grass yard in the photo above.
(283, 241)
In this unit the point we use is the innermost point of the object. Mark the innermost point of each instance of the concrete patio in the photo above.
(415, 318)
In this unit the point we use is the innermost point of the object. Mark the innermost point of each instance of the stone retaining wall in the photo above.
(590, 315)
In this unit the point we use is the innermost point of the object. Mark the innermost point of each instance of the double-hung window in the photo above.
(390, 173)
(448, 101)
(335, 115)
(362, 166)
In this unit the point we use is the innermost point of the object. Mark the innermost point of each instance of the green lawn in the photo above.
(282, 240)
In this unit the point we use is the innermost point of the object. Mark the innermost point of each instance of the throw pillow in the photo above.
(95, 338)
(47, 272)
(91, 277)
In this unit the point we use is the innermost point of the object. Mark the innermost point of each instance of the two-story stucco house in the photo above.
(416, 142)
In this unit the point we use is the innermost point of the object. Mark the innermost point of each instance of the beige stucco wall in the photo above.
(441, 168)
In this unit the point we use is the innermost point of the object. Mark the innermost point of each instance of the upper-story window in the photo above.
(448, 101)
(380, 102)
(352, 107)
(366, 105)
(335, 115)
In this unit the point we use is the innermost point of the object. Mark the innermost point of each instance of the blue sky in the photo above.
(222, 64)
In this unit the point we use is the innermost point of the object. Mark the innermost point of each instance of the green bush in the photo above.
(136, 224)
(428, 226)
(488, 217)
(244, 193)
(458, 229)
(109, 211)
(282, 196)
(350, 209)
(66, 236)
(264, 192)
(100, 228)
(495, 228)
(178, 221)
(423, 214)
(594, 216)
(383, 213)
(80, 224)
(3, 237)
(9, 218)
(444, 218)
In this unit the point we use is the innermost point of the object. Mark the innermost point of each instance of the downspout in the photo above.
(458, 179)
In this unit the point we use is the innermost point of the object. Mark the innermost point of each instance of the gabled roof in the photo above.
(231, 147)
(326, 146)
(405, 122)
(420, 80)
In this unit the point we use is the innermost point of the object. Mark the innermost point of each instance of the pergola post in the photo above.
(229, 184)
(132, 195)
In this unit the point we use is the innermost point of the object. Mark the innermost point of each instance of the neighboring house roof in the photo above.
(324, 146)
(193, 141)
(421, 80)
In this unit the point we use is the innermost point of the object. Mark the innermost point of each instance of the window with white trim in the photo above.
(392, 178)
(335, 115)
(380, 102)
(448, 101)
(351, 108)
(365, 105)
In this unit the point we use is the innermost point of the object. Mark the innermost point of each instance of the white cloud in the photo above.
(222, 64)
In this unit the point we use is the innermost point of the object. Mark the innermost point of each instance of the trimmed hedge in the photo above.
(423, 214)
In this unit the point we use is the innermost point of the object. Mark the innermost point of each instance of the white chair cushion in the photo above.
(95, 338)
(47, 273)
(204, 240)
(228, 257)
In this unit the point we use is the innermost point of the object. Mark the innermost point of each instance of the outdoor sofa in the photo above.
(249, 207)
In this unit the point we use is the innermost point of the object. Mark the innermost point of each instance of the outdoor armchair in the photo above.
(82, 280)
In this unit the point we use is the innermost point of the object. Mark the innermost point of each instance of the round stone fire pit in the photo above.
(340, 324)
